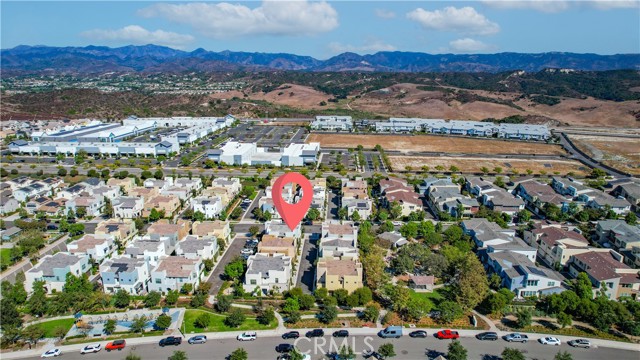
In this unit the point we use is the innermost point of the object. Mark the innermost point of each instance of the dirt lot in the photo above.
(434, 143)
(619, 153)
(474, 165)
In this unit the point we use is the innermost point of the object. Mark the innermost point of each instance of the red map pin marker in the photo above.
(292, 214)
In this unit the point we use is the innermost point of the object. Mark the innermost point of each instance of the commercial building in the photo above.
(332, 123)
(236, 153)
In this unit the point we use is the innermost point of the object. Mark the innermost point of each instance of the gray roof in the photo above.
(516, 265)
(191, 245)
(264, 264)
(123, 264)
(57, 261)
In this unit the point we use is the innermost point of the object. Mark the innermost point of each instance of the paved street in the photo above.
(25, 264)
(216, 280)
(405, 348)
(306, 275)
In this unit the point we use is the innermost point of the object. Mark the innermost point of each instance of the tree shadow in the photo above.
(432, 354)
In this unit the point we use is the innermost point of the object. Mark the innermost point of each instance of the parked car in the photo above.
(418, 334)
(341, 333)
(583, 343)
(490, 335)
(171, 340)
(515, 337)
(115, 345)
(291, 335)
(200, 339)
(288, 357)
(246, 251)
(447, 334)
(315, 333)
(284, 348)
(247, 336)
(550, 340)
(372, 354)
(391, 332)
(51, 353)
(93, 348)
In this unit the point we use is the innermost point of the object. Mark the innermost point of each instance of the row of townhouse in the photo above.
(585, 196)
(217, 197)
(493, 197)
(289, 192)
(622, 237)
(560, 247)
(355, 197)
(463, 127)
(511, 258)
(338, 265)
(236, 153)
(443, 195)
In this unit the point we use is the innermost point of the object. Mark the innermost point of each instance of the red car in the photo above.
(115, 345)
(447, 334)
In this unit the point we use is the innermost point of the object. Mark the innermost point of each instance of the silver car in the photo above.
(583, 343)
(93, 348)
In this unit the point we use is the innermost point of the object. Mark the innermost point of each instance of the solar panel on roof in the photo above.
(536, 271)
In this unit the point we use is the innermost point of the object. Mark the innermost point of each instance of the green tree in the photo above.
(37, 303)
(109, 327)
(121, 299)
(631, 218)
(343, 213)
(234, 269)
(512, 354)
(223, 303)
(60, 332)
(564, 319)
(328, 314)
(456, 351)
(563, 355)
(395, 210)
(313, 214)
(239, 354)
(186, 289)
(235, 318)
(138, 324)
(524, 318)
(62, 172)
(266, 316)
(152, 299)
(33, 333)
(9, 315)
(202, 321)
(370, 313)
(582, 286)
(341, 296)
(306, 301)
(471, 285)
(172, 297)
(355, 216)
(387, 350)
(449, 311)
(159, 175)
(163, 321)
(178, 355)
(254, 230)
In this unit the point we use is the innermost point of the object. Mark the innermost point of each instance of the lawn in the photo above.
(217, 323)
(5, 256)
(50, 326)
(434, 297)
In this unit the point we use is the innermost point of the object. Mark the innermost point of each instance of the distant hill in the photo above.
(152, 58)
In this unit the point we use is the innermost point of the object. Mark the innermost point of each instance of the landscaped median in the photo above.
(216, 323)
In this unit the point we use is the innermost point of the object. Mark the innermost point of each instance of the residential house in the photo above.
(602, 201)
(178, 192)
(339, 274)
(444, 196)
(119, 229)
(97, 247)
(125, 273)
(167, 203)
(33, 205)
(393, 238)
(53, 270)
(520, 275)
(92, 205)
(484, 232)
(173, 272)
(397, 190)
(220, 229)
(125, 184)
(271, 245)
(364, 207)
(143, 192)
(34, 189)
(422, 283)
(127, 207)
(158, 184)
(569, 187)
(536, 195)
(171, 233)
(618, 234)
(194, 247)
(279, 229)
(105, 191)
(606, 269)
(53, 207)
(210, 207)
(73, 191)
(268, 273)
(629, 191)
(193, 185)
(556, 245)
(151, 251)
(8, 204)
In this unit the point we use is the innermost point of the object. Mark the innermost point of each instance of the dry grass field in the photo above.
(474, 165)
(435, 143)
(617, 152)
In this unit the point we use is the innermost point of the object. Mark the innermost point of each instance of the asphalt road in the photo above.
(216, 279)
(307, 274)
(406, 348)
(583, 159)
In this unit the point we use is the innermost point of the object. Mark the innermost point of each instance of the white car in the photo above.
(93, 348)
(246, 251)
(550, 340)
(247, 336)
(51, 353)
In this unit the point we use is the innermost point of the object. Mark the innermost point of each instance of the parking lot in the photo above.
(268, 136)
(373, 162)
(331, 159)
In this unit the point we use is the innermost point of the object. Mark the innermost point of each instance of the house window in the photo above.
(277, 280)
(253, 282)
(626, 285)
(158, 281)
(532, 282)
(551, 283)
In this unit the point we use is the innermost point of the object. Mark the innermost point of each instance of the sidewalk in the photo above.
(278, 333)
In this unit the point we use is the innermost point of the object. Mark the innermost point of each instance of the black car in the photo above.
(284, 348)
(291, 335)
(340, 333)
(171, 340)
(418, 334)
(315, 333)
(487, 336)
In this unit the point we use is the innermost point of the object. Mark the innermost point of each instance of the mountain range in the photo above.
(25, 59)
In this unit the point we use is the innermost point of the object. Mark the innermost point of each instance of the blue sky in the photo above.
(323, 29)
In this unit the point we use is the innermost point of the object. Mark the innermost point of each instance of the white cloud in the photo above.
(463, 20)
(372, 46)
(385, 14)
(272, 17)
(549, 6)
(468, 45)
(138, 35)
(555, 6)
